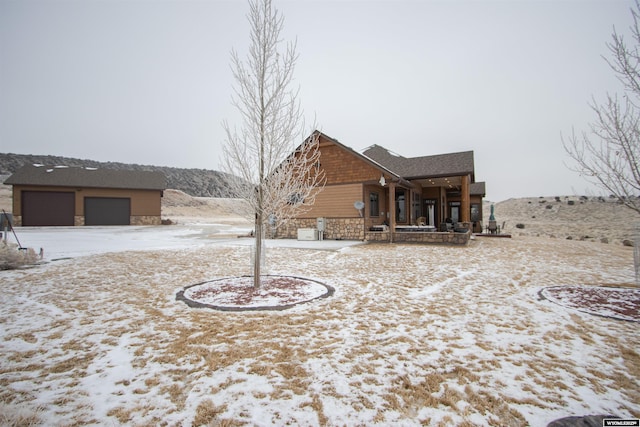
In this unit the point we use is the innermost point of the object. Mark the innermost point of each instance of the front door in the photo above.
(455, 212)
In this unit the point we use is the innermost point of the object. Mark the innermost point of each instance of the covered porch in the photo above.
(421, 210)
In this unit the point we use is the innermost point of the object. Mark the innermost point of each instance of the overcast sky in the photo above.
(149, 81)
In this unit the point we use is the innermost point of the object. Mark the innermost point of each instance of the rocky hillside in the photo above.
(196, 182)
(598, 219)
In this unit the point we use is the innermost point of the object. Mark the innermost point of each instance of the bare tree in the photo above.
(608, 155)
(278, 169)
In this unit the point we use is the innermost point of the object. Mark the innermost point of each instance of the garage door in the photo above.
(107, 211)
(43, 208)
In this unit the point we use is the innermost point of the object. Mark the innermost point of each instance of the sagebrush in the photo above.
(12, 256)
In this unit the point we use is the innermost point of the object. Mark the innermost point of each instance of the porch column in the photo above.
(392, 210)
(443, 204)
(465, 200)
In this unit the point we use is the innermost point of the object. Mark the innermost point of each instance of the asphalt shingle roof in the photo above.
(478, 188)
(65, 176)
(427, 166)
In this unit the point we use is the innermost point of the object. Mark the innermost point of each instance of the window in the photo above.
(475, 212)
(374, 204)
(417, 206)
(401, 206)
(295, 199)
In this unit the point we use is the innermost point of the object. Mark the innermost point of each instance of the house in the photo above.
(68, 196)
(380, 195)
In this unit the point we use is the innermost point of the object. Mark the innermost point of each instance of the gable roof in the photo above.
(426, 166)
(66, 176)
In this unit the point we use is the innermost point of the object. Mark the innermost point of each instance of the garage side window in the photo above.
(374, 204)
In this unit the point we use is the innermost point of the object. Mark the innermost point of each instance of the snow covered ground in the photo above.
(71, 242)
(413, 335)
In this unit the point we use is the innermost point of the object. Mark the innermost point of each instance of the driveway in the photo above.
(71, 242)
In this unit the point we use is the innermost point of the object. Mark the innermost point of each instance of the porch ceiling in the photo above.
(446, 182)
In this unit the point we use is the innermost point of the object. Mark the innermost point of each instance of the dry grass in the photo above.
(20, 416)
(207, 414)
(432, 341)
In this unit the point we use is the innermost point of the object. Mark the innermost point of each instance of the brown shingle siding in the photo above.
(341, 168)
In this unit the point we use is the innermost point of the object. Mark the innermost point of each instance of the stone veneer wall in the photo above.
(335, 228)
(78, 220)
(145, 220)
(16, 221)
(353, 229)
(420, 237)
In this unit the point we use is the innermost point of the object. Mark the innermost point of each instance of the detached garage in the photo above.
(68, 196)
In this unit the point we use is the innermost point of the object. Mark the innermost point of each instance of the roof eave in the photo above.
(442, 175)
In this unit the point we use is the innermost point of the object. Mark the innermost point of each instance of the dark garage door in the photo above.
(41, 208)
(107, 211)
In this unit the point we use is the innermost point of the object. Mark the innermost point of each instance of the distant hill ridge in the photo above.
(195, 182)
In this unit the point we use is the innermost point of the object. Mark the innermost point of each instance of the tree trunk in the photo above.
(257, 258)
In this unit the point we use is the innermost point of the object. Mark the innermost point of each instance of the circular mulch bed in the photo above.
(239, 294)
(612, 302)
